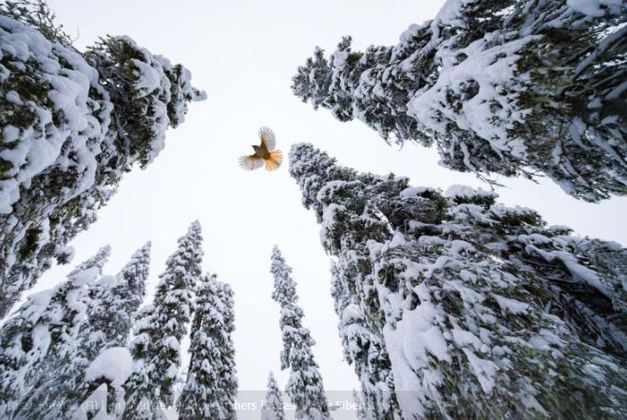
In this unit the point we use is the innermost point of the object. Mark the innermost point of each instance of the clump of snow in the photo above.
(511, 306)
(595, 8)
(485, 370)
(149, 79)
(115, 364)
(466, 191)
(415, 191)
(450, 13)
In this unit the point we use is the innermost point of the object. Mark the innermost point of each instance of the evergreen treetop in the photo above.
(159, 329)
(507, 87)
(273, 404)
(304, 386)
(211, 386)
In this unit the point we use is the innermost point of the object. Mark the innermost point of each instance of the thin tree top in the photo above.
(284, 286)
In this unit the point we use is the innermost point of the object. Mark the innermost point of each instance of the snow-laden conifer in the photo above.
(304, 386)
(39, 345)
(211, 386)
(54, 338)
(273, 403)
(363, 342)
(484, 310)
(507, 87)
(159, 329)
(114, 303)
(73, 123)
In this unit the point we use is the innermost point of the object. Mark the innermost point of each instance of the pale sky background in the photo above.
(244, 53)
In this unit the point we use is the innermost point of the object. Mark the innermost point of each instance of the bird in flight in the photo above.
(265, 154)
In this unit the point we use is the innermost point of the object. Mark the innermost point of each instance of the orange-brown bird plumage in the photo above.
(265, 154)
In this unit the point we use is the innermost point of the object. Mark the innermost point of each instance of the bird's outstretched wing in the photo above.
(250, 162)
(267, 138)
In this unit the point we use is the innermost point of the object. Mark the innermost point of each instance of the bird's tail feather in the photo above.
(273, 163)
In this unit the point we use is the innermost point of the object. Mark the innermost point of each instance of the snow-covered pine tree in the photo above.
(39, 344)
(507, 87)
(484, 310)
(211, 387)
(363, 342)
(127, 291)
(114, 303)
(273, 404)
(51, 342)
(304, 386)
(73, 123)
(159, 329)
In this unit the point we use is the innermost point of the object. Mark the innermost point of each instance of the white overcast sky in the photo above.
(244, 53)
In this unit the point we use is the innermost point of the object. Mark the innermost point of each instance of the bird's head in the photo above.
(256, 148)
